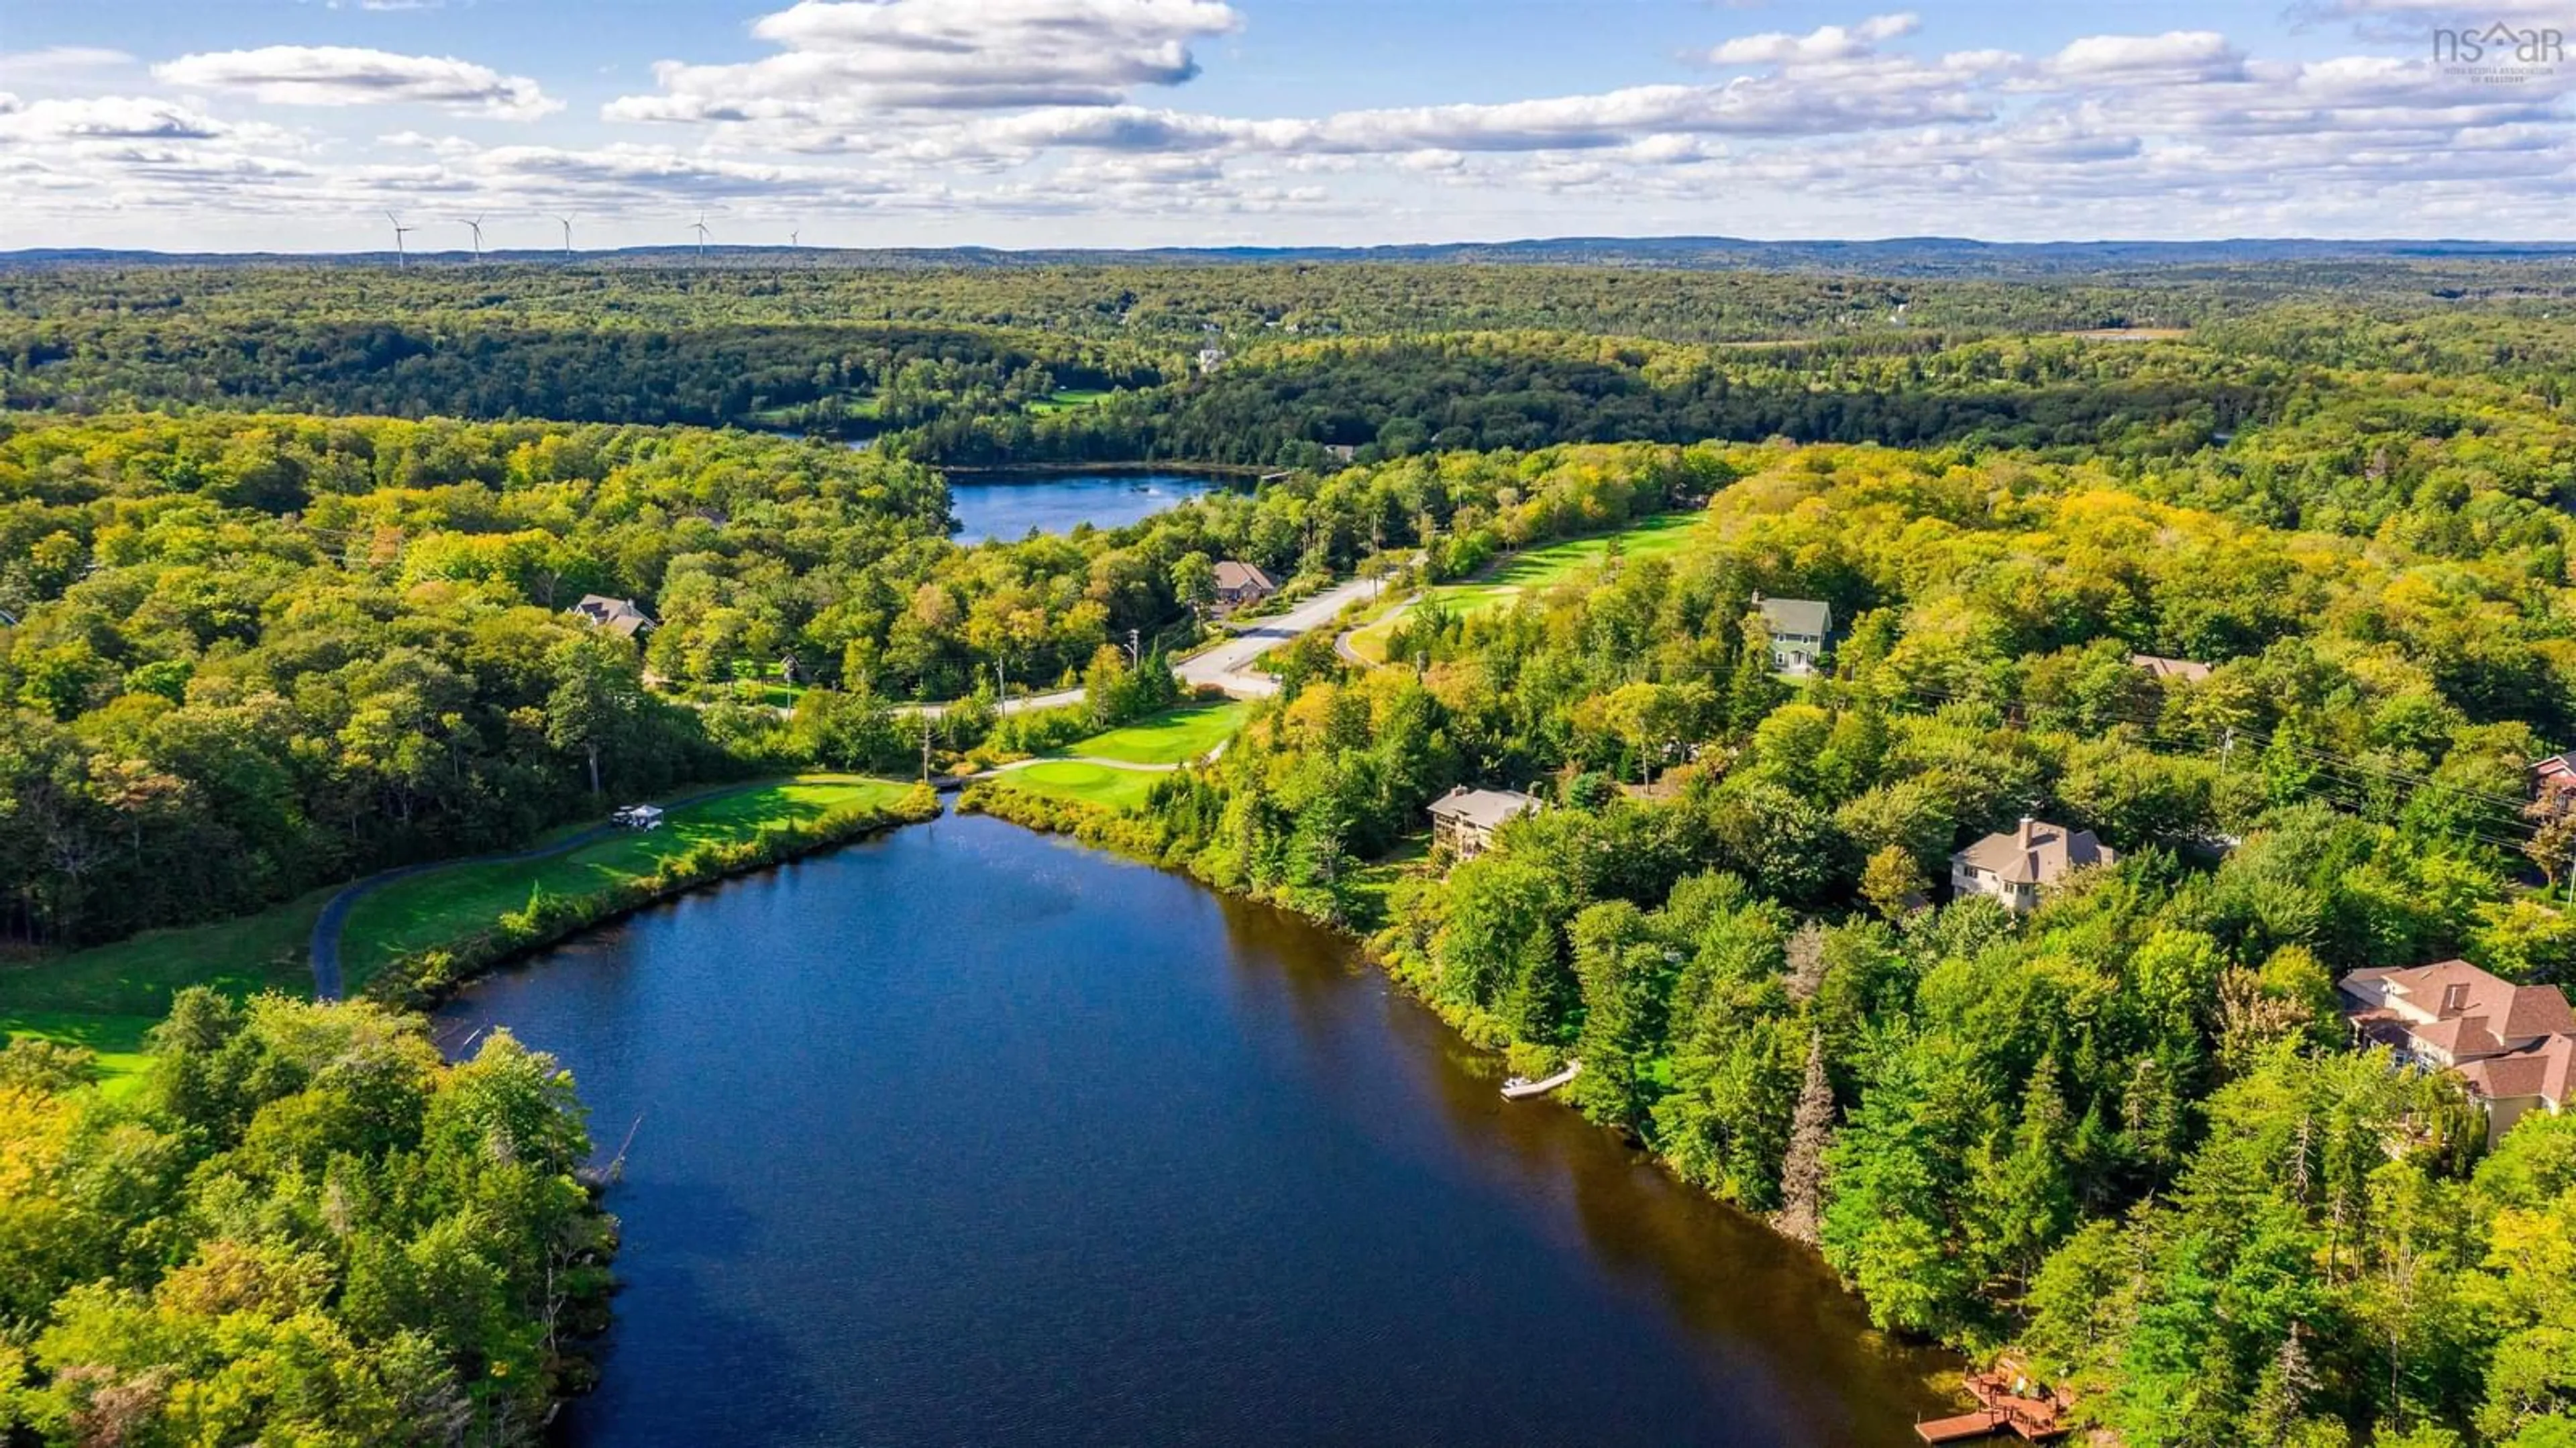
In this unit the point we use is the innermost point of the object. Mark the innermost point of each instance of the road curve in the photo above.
(323, 946)
(1228, 666)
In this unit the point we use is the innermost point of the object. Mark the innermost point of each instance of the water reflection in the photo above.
(989, 506)
(973, 1136)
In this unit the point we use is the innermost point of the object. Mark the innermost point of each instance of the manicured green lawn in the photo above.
(1091, 783)
(105, 998)
(1065, 399)
(426, 910)
(1174, 736)
(1538, 568)
(136, 977)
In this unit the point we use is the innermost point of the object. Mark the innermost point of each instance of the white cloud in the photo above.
(2175, 57)
(105, 118)
(845, 59)
(339, 75)
(1825, 43)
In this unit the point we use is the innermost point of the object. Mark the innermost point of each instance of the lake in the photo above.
(993, 506)
(969, 1135)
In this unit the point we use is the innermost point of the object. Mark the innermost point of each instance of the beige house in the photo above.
(1239, 583)
(619, 616)
(2515, 1045)
(2016, 866)
(1798, 628)
(2187, 670)
(1464, 820)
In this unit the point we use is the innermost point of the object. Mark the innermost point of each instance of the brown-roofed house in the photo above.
(2187, 670)
(2016, 865)
(1465, 819)
(619, 616)
(2515, 1045)
(1240, 583)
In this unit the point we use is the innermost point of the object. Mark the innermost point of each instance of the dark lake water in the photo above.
(1007, 508)
(971, 1136)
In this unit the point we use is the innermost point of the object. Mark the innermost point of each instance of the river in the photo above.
(1008, 507)
(968, 1135)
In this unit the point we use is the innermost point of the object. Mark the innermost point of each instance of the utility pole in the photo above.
(1135, 650)
(925, 746)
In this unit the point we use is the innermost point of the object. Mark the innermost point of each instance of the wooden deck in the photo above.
(1979, 1424)
(2006, 1403)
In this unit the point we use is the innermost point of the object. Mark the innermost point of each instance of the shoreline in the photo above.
(1008, 472)
(421, 980)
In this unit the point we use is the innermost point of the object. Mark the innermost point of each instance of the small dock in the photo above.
(1521, 1087)
(1982, 1423)
(2006, 1403)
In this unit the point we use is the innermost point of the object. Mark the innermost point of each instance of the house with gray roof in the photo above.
(1464, 820)
(1798, 628)
(619, 616)
(2016, 865)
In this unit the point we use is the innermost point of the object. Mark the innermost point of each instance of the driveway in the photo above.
(1228, 666)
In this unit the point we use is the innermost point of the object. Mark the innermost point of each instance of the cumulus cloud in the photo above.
(104, 118)
(1825, 43)
(339, 75)
(846, 58)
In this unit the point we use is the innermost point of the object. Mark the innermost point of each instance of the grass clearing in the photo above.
(427, 910)
(1089, 783)
(1174, 736)
(106, 997)
(1536, 568)
(1067, 399)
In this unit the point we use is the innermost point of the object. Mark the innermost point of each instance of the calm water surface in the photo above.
(1007, 508)
(970, 1136)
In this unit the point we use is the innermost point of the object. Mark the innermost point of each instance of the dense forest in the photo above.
(307, 1228)
(2126, 1135)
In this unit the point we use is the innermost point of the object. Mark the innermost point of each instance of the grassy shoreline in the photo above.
(105, 998)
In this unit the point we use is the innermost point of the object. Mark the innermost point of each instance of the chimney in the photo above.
(2029, 832)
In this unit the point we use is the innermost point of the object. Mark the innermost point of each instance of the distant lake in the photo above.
(990, 506)
(969, 1135)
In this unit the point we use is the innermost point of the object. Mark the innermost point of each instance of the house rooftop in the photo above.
(2036, 852)
(1234, 574)
(617, 615)
(1483, 808)
(1804, 617)
(2188, 670)
(2546, 1070)
(2467, 1005)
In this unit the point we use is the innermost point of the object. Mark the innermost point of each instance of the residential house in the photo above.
(1240, 583)
(2515, 1045)
(2017, 865)
(2187, 670)
(2554, 779)
(619, 616)
(1464, 820)
(1798, 629)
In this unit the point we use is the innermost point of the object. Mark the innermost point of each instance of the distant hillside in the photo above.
(1921, 256)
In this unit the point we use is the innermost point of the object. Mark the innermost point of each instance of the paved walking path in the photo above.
(324, 945)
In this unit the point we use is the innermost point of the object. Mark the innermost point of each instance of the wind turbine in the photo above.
(567, 226)
(399, 231)
(791, 237)
(701, 229)
(476, 226)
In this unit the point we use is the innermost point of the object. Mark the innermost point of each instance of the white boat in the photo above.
(1520, 1087)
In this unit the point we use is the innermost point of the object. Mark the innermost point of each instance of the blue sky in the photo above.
(240, 124)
